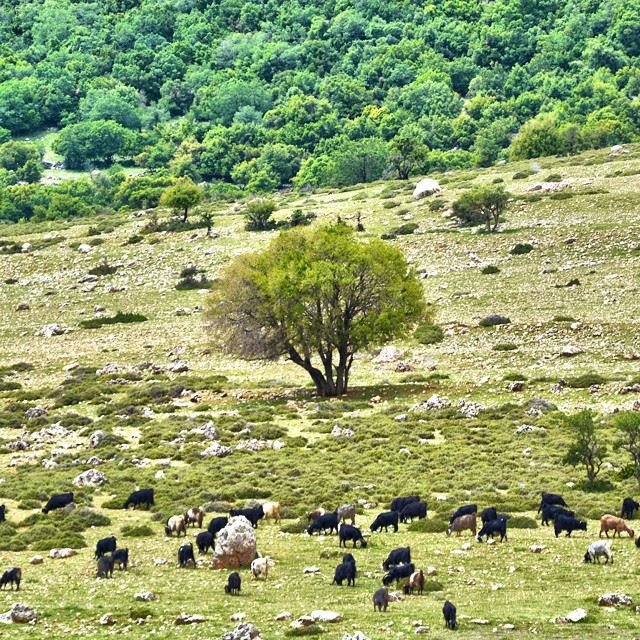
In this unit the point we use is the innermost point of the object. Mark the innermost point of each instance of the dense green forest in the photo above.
(260, 94)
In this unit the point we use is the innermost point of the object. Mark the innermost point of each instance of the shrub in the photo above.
(494, 320)
(585, 381)
(553, 177)
(136, 531)
(522, 175)
(428, 333)
(505, 346)
(481, 205)
(299, 218)
(428, 525)
(392, 204)
(403, 230)
(104, 269)
(563, 318)
(521, 522)
(299, 526)
(118, 318)
(521, 249)
(258, 215)
(490, 269)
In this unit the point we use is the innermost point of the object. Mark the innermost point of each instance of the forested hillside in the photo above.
(266, 93)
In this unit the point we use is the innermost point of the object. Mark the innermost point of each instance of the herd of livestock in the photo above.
(398, 565)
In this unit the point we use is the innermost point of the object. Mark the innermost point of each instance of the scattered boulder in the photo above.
(235, 545)
(422, 629)
(216, 450)
(569, 351)
(537, 548)
(320, 615)
(302, 622)
(426, 187)
(481, 621)
(614, 599)
(107, 620)
(19, 614)
(341, 432)
(308, 570)
(189, 618)
(494, 319)
(50, 330)
(433, 403)
(36, 560)
(96, 438)
(469, 408)
(388, 354)
(178, 367)
(541, 405)
(526, 428)
(26, 247)
(244, 631)
(431, 571)
(62, 553)
(358, 635)
(85, 248)
(238, 617)
(284, 615)
(90, 478)
(516, 386)
(577, 615)
(146, 596)
(23, 306)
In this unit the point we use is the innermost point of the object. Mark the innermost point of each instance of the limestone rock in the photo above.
(321, 615)
(19, 614)
(36, 560)
(189, 618)
(216, 450)
(146, 596)
(96, 438)
(50, 330)
(90, 478)
(244, 631)
(62, 553)
(107, 619)
(284, 615)
(426, 187)
(235, 545)
(614, 599)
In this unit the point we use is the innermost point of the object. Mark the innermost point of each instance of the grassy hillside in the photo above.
(586, 236)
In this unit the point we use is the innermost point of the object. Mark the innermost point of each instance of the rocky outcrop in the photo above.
(235, 545)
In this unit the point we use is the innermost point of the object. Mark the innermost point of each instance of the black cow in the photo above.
(120, 557)
(492, 528)
(398, 573)
(550, 511)
(233, 584)
(638, 542)
(449, 613)
(11, 576)
(327, 522)
(345, 571)
(488, 515)
(565, 523)
(59, 501)
(551, 498)
(629, 507)
(217, 524)
(3, 513)
(252, 514)
(105, 567)
(466, 510)
(348, 557)
(204, 541)
(401, 555)
(185, 553)
(139, 498)
(349, 532)
(385, 520)
(381, 599)
(414, 510)
(106, 545)
(398, 504)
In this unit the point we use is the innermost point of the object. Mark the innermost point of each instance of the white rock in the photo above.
(146, 596)
(36, 560)
(26, 247)
(426, 187)
(238, 617)
(85, 248)
(50, 330)
(479, 621)
(284, 615)
(19, 614)
(189, 618)
(311, 569)
(321, 615)
(107, 619)
(614, 599)
(431, 571)
(90, 478)
(62, 553)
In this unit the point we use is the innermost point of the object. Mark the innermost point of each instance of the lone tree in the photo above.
(628, 425)
(585, 450)
(182, 196)
(484, 205)
(317, 297)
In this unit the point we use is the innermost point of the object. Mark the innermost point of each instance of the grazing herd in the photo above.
(398, 567)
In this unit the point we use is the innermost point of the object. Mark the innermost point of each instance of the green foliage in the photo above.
(627, 424)
(94, 142)
(522, 522)
(258, 215)
(405, 229)
(428, 525)
(482, 205)
(21, 163)
(118, 318)
(521, 249)
(183, 195)
(586, 449)
(428, 333)
(538, 137)
(136, 531)
(315, 292)
(585, 380)
(490, 269)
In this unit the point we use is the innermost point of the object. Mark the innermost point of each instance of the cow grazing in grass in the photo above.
(139, 498)
(385, 520)
(194, 517)
(564, 523)
(58, 501)
(106, 545)
(466, 510)
(233, 584)
(629, 507)
(185, 556)
(381, 599)
(449, 613)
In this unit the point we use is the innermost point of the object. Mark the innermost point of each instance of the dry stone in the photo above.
(235, 545)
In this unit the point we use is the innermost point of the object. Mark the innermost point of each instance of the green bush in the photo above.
(433, 585)
(428, 525)
(428, 333)
(299, 526)
(522, 175)
(585, 380)
(403, 230)
(521, 249)
(553, 177)
(136, 531)
(521, 522)
(490, 269)
(505, 346)
(118, 318)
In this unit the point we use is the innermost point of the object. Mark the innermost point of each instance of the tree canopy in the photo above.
(317, 297)
(264, 92)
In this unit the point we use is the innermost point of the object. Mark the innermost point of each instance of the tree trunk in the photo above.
(185, 214)
(324, 388)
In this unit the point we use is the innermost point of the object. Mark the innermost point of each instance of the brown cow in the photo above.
(462, 523)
